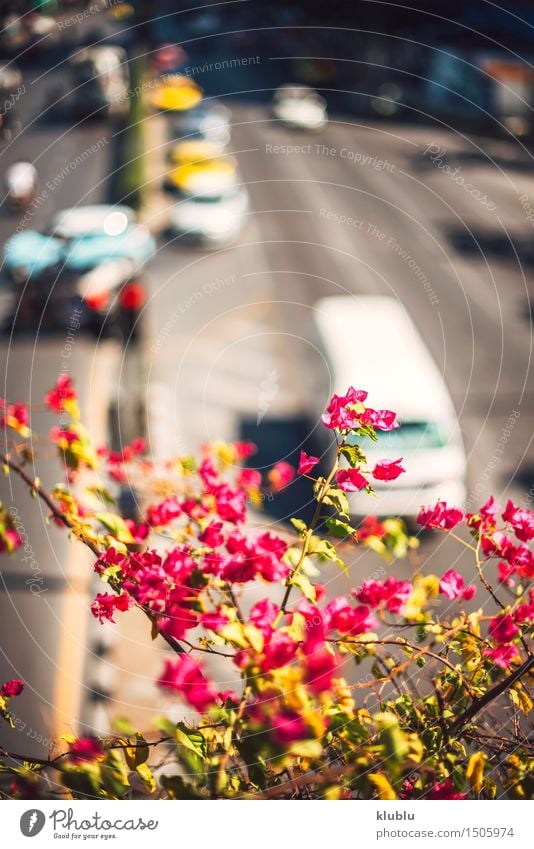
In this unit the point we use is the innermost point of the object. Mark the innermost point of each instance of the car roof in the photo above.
(84, 219)
(372, 343)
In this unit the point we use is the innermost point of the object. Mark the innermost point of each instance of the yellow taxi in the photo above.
(176, 93)
(198, 166)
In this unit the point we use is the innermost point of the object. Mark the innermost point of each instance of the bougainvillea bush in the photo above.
(447, 662)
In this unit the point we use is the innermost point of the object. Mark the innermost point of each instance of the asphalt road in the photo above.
(345, 212)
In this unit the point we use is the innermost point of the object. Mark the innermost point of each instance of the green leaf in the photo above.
(123, 726)
(116, 525)
(367, 430)
(339, 529)
(102, 493)
(354, 455)
(304, 584)
(307, 749)
(324, 549)
(300, 526)
(336, 498)
(190, 739)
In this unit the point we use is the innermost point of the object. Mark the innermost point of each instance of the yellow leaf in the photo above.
(234, 634)
(145, 774)
(254, 636)
(475, 771)
(521, 699)
(384, 790)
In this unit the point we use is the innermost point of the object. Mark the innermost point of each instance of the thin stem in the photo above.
(309, 532)
(492, 694)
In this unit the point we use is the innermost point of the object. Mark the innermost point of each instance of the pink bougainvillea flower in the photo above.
(214, 621)
(503, 655)
(343, 411)
(245, 450)
(349, 620)
(110, 558)
(254, 554)
(503, 628)
(388, 470)
(10, 540)
(279, 650)
(211, 535)
(85, 749)
(139, 532)
(262, 615)
(105, 605)
(56, 398)
(522, 521)
(505, 572)
(370, 527)
(351, 480)
(281, 475)
(16, 416)
(249, 478)
(496, 544)
(159, 515)
(306, 463)
(440, 516)
(522, 560)
(230, 503)
(11, 688)
(452, 586)
(289, 727)
(321, 665)
(445, 790)
(392, 593)
(380, 419)
(184, 675)
(524, 613)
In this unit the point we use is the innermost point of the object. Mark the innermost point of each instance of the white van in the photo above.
(371, 343)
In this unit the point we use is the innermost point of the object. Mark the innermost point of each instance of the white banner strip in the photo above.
(358, 824)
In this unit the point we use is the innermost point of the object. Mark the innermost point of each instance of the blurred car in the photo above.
(20, 181)
(10, 78)
(211, 219)
(80, 239)
(100, 80)
(299, 107)
(209, 121)
(28, 34)
(105, 301)
(176, 93)
(399, 374)
(199, 169)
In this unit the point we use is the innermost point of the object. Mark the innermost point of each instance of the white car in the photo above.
(212, 219)
(210, 121)
(371, 343)
(107, 219)
(299, 107)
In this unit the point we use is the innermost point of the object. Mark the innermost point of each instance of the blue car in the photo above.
(79, 240)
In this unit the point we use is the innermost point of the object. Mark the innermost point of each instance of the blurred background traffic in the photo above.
(214, 216)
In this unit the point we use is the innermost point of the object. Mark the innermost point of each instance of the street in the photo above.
(228, 346)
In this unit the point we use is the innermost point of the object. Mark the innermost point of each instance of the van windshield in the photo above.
(411, 436)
